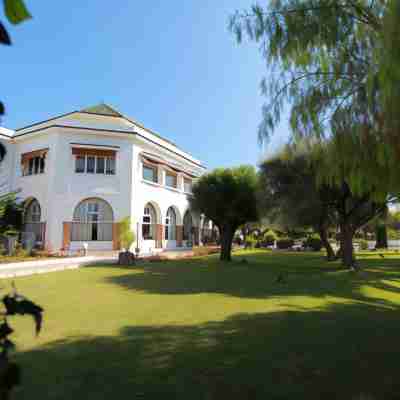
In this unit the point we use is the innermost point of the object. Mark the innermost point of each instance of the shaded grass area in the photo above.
(201, 329)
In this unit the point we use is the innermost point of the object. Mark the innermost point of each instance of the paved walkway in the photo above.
(11, 270)
(24, 268)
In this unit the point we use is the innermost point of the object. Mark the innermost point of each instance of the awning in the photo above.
(82, 151)
(156, 160)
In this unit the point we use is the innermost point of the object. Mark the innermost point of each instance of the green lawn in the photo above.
(199, 329)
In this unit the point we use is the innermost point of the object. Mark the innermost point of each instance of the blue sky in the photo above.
(171, 65)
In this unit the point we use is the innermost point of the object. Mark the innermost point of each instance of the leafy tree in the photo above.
(15, 12)
(227, 196)
(290, 192)
(334, 66)
(11, 213)
(292, 188)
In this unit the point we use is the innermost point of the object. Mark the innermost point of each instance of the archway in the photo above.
(33, 212)
(93, 221)
(149, 222)
(170, 224)
(33, 229)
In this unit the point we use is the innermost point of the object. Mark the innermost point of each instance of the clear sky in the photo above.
(172, 65)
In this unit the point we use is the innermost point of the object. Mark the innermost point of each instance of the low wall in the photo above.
(392, 244)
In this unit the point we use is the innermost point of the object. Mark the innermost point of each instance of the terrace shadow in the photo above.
(303, 275)
(339, 352)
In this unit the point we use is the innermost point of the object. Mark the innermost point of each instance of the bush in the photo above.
(363, 244)
(270, 237)
(314, 242)
(250, 242)
(393, 234)
(126, 236)
(20, 251)
(284, 243)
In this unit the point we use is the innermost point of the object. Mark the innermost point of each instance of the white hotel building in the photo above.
(81, 173)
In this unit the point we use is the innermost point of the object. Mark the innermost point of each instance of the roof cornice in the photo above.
(111, 131)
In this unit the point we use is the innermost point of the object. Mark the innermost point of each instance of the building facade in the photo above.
(81, 173)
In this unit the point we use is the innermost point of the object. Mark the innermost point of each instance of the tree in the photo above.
(227, 196)
(334, 65)
(15, 12)
(293, 188)
(11, 213)
(289, 191)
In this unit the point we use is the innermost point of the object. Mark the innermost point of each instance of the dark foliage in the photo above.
(10, 373)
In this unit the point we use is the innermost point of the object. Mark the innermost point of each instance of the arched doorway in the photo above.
(170, 224)
(33, 212)
(93, 221)
(34, 229)
(149, 222)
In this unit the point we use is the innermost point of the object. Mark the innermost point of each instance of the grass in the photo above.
(201, 329)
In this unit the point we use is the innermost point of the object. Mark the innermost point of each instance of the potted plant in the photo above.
(127, 238)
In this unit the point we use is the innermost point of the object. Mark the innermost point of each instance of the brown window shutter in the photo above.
(80, 151)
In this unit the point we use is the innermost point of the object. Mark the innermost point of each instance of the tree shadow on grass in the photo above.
(332, 353)
(303, 276)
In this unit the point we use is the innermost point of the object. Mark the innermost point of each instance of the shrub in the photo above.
(250, 242)
(237, 240)
(314, 242)
(284, 243)
(20, 251)
(270, 237)
(126, 236)
(363, 244)
(393, 234)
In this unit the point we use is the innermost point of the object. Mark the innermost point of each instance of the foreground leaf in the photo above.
(16, 11)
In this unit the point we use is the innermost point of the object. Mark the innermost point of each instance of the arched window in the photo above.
(187, 226)
(33, 212)
(170, 224)
(93, 220)
(148, 223)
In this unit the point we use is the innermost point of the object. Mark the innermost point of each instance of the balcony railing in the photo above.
(35, 231)
(91, 231)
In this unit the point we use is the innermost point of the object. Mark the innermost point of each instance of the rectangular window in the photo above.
(170, 180)
(187, 183)
(100, 165)
(90, 163)
(150, 173)
(80, 164)
(94, 164)
(110, 166)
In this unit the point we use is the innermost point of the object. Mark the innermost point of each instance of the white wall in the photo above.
(60, 189)
(161, 196)
(6, 167)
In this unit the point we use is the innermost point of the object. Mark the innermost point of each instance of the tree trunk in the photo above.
(346, 245)
(227, 233)
(325, 242)
(381, 237)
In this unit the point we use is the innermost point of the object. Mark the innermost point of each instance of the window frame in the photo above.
(110, 164)
(173, 175)
(185, 180)
(34, 166)
(155, 173)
